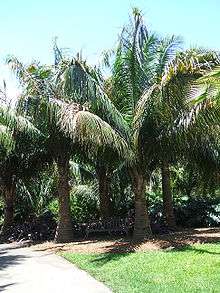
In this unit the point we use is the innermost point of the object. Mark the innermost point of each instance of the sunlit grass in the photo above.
(193, 269)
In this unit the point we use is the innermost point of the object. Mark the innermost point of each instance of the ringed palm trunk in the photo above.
(8, 196)
(64, 232)
(167, 196)
(142, 227)
(104, 191)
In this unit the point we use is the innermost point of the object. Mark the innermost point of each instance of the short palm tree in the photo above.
(16, 155)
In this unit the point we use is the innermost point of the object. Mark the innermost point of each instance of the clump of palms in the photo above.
(149, 85)
(139, 116)
(63, 101)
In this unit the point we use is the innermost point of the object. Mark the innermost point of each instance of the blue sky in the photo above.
(27, 27)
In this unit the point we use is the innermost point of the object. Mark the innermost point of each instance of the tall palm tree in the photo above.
(62, 101)
(140, 61)
(171, 104)
(149, 86)
(129, 80)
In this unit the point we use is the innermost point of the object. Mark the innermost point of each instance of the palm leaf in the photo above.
(17, 123)
(91, 132)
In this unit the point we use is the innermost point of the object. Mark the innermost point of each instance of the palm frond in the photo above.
(166, 52)
(128, 74)
(7, 142)
(17, 123)
(84, 85)
(91, 132)
(145, 110)
(193, 62)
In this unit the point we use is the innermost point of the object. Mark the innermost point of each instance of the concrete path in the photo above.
(25, 271)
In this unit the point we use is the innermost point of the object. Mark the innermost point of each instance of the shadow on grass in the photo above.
(115, 252)
(115, 255)
(104, 258)
(184, 239)
(190, 248)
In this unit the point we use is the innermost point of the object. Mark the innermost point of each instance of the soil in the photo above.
(175, 240)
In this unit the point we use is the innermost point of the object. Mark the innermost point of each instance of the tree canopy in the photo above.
(105, 146)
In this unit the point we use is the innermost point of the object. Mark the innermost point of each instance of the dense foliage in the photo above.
(142, 141)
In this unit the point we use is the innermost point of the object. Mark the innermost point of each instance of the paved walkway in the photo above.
(25, 271)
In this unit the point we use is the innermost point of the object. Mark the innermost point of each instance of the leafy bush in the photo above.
(34, 196)
(190, 211)
(198, 211)
(84, 203)
(53, 208)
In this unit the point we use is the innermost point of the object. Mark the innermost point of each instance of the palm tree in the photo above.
(128, 82)
(58, 99)
(16, 156)
(140, 61)
(149, 87)
(170, 105)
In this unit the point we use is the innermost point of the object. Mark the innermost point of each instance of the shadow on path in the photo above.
(9, 259)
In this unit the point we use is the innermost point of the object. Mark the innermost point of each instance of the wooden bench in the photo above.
(111, 225)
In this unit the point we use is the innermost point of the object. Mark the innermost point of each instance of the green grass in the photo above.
(192, 269)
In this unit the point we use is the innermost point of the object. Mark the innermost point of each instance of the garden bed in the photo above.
(108, 244)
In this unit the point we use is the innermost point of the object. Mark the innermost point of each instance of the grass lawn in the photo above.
(195, 268)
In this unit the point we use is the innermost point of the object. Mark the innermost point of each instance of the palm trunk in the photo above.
(9, 195)
(167, 196)
(64, 232)
(104, 192)
(142, 227)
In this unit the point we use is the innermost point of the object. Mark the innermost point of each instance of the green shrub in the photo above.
(198, 211)
(84, 203)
